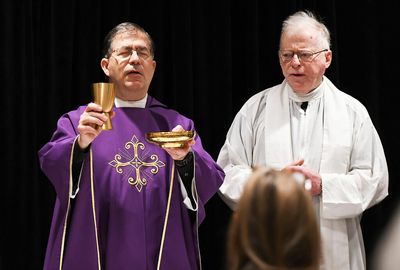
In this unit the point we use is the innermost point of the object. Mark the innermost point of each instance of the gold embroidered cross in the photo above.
(125, 163)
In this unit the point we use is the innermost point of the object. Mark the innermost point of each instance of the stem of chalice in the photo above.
(104, 95)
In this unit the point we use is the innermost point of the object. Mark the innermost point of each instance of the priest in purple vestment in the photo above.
(122, 202)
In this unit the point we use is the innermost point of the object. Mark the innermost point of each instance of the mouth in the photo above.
(297, 75)
(133, 72)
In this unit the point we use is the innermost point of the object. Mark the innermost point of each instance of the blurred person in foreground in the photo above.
(308, 124)
(274, 226)
(117, 205)
(386, 253)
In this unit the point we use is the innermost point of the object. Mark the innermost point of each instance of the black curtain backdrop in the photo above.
(212, 55)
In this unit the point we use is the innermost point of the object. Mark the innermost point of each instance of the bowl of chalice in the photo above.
(170, 139)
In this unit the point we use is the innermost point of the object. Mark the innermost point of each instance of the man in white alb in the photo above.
(307, 124)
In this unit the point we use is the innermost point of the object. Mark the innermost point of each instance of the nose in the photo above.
(295, 60)
(134, 58)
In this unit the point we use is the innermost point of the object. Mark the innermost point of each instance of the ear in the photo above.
(104, 66)
(328, 58)
(154, 64)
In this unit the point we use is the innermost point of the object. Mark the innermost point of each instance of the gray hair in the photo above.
(300, 18)
(123, 28)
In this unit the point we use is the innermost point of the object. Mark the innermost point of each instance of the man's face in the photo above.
(305, 70)
(130, 65)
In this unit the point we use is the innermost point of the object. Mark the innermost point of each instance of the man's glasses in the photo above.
(303, 56)
(125, 53)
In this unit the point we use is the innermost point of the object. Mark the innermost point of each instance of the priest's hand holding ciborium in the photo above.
(104, 95)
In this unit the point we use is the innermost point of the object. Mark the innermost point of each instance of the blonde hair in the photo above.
(274, 226)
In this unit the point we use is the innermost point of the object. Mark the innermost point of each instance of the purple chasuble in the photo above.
(131, 181)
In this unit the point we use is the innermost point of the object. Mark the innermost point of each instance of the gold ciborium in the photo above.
(104, 95)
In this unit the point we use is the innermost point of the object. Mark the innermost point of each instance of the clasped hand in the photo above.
(308, 173)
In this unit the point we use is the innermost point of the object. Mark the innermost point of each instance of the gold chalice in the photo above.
(104, 95)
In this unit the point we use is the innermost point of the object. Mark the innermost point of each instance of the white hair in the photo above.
(302, 18)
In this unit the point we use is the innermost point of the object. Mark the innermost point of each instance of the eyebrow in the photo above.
(139, 47)
(301, 50)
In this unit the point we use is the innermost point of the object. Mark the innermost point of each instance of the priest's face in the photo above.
(303, 57)
(131, 65)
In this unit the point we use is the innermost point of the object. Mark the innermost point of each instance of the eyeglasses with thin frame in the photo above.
(125, 53)
(303, 56)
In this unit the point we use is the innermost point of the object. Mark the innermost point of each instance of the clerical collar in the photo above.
(131, 104)
(315, 94)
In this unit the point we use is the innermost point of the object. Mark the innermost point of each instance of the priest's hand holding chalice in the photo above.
(98, 114)
(104, 95)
